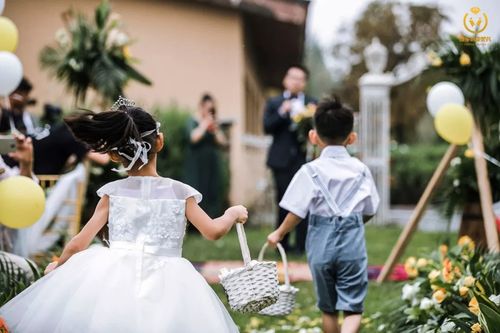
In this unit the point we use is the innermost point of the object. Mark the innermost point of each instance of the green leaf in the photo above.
(102, 13)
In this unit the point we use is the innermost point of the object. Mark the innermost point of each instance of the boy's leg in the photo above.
(330, 322)
(351, 323)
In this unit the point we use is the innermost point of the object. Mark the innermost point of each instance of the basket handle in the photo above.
(242, 238)
(283, 258)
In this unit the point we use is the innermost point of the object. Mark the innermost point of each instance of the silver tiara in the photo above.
(122, 101)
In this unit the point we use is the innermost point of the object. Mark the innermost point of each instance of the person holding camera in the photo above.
(203, 168)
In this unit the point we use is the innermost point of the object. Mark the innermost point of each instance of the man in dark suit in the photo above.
(287, 153)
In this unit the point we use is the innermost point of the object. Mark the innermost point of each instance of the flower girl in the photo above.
(140, 283)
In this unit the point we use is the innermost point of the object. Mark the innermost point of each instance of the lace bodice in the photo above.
(148, 211)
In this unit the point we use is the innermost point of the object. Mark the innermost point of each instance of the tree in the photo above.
(320, 82)
(403, 29)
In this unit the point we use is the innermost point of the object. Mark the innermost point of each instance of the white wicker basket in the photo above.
(286, 299)
(252, 287)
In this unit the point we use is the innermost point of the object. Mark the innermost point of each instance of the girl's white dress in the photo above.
(139, 284)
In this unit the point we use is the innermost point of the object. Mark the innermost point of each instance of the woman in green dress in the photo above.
(203, 159)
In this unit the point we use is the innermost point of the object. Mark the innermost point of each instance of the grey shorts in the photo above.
(336, 253)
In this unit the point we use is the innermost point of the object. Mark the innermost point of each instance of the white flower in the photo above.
(426, 304)
(121, 39)
(117, 38)
(75, 64)
(381, 328)
(456, 182)
(495, 299)
(448, 326)
(456, 161)
(410, 292)
(62, 37)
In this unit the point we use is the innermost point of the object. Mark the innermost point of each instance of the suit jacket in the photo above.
(285, 149)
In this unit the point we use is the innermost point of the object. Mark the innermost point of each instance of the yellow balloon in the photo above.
(8, 35)
(22, 202)
(454, 123)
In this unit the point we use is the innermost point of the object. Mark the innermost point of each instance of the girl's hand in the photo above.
(238, 213)
(50, 267)
(274, 238)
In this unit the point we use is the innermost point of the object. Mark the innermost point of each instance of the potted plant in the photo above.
(92, 55)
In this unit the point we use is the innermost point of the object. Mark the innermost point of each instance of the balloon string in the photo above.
(487, 157)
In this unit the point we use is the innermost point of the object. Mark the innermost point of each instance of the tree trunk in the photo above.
(472, 224)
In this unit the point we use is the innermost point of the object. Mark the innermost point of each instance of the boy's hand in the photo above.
(274, 238)
(50, 267)
(238, 213)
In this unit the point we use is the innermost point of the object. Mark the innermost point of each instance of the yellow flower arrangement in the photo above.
(474, 306)
(476, 328)
(464, 59)
(439, 295)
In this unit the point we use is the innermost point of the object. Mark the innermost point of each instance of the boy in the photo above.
(338, 192)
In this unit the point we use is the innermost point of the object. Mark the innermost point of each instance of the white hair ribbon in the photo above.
(141, 149)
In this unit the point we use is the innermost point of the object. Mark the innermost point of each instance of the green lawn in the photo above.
(380, 298)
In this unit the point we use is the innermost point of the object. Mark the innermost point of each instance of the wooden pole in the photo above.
(484, 191)
(405, 236)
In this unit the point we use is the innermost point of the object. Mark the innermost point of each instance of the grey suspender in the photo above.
(324, 190)
(326, 193)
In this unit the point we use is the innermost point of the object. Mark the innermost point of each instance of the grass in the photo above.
(380, 241)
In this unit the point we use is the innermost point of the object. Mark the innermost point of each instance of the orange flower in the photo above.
(3, 326)
(469, 281)
(411, 267)
(463, 291)
(443, 249)
(474, 306)
(448, 275)
(439, 295)
(466, 242)
(476, 328)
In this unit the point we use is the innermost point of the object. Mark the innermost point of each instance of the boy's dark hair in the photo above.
(106, 130)
(301, 67)
(333, 121)
(24, 86)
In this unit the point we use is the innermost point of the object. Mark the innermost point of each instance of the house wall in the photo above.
(184, 49)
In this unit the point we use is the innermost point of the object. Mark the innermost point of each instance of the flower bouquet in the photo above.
(302, 122)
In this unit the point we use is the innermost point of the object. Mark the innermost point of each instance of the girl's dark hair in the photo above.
(113, 129)
(206, 97)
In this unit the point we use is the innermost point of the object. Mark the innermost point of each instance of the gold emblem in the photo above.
(475, 21)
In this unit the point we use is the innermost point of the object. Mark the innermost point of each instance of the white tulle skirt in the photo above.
(109, 290)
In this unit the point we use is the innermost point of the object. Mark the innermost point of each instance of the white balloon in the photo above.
(2, 5)
(11, 72)
(443, 93)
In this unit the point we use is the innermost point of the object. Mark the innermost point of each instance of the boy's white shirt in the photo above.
(339, 172)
